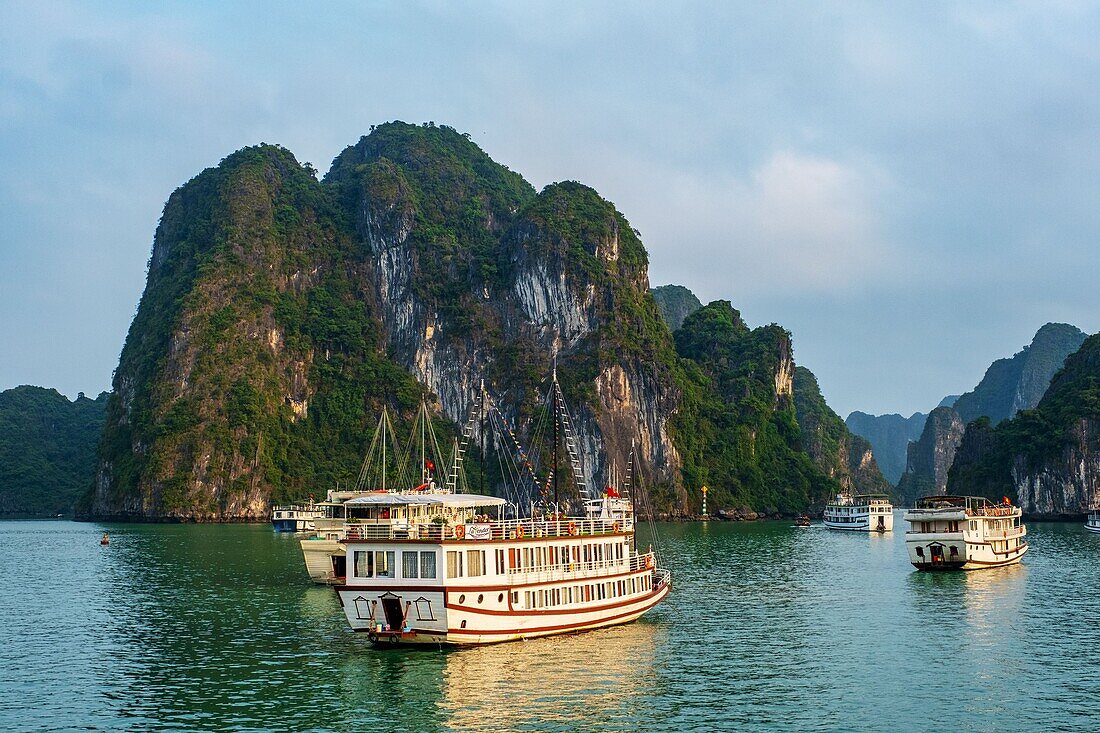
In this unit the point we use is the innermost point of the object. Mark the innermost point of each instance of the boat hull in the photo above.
(996, 560)
(1093, 527)
(461, 625)
(325, 560)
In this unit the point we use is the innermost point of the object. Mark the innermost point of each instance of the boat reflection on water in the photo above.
(588, 681)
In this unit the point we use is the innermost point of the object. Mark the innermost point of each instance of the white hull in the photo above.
(1093, 527)
(454, 621)
(862, 523)
(972, 556)
(325, 560)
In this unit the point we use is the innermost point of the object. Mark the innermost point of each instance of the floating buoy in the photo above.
(106, 540)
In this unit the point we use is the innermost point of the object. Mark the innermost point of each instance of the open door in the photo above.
(395, 615)
(340, 566)
(937, 554)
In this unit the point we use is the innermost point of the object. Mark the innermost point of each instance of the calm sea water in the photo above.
(185, 627)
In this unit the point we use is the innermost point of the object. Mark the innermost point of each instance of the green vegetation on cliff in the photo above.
(47, 450)
(281, 313)
(675, 302)
(737, 431)
(842, 455)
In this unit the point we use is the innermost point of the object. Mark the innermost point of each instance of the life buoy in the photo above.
(615, 526)
(649, 562)
(460, 531)
(573, 531)
(519, 531)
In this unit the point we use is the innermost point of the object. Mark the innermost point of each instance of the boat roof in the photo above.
(456, 501)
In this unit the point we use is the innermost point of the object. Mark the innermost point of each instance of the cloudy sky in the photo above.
(910, 188)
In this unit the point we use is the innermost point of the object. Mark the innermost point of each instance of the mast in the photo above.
(554, 468)
(384, 422)
(481, 397)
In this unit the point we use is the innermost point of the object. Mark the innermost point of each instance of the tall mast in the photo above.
(384, 422)
(482, 398)
(554, 469)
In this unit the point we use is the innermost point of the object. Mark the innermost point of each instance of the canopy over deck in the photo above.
(454, 501)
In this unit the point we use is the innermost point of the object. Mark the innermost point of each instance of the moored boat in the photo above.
(437, 566)
(860, 513)
(295, 517)
(964, 533)
(1092, 522)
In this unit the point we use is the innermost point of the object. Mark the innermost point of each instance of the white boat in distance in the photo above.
(860, 513)
(295, 517)
(1092, 523)
(964, 533)
(434, 566)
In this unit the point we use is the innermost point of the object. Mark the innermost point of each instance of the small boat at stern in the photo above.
(964, 533)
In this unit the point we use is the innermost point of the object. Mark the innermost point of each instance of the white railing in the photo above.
(494, 530)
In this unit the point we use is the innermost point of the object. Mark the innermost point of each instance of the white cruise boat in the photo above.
(295, 517)
(964, 533)
(861, 513)
(435, 569)
(433, 565)
(1092, 523)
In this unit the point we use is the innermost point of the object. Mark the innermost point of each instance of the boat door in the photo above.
(391, 606)
(340, 566)
(881, 524)
(937, 554)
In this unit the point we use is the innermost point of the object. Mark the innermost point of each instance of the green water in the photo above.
(180, 627)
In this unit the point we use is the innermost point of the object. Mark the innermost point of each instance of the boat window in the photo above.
(475, 562)
(454, 564)
(920, 552)
(499, 556)
(427, 564)
(954, 551)
(384, 564)
(410, 564)
(364, 564)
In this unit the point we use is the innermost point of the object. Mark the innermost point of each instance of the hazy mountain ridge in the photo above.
(890, 436)
(1008, 386)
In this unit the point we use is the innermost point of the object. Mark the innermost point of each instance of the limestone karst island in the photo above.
(548, 367)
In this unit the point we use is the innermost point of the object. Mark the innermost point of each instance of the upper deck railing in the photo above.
(510, 529)
(972, 506)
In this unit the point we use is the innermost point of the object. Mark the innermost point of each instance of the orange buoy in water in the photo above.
(106, 540)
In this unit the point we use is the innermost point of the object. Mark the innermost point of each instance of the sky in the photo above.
(909, 187)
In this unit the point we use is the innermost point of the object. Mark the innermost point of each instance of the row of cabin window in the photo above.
(860, 510)
(551, 597)
(471, 563)
(542, 557)
(380, 564)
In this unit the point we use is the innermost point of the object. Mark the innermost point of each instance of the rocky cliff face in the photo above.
(890, 436)
(1009, 385)
(675, 302)
(1019, 382)
(282, 312)
(842, 456)
(1046, 459)
(931, 456)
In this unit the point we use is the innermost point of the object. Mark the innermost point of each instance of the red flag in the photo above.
(612, 492)
(429, 465)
